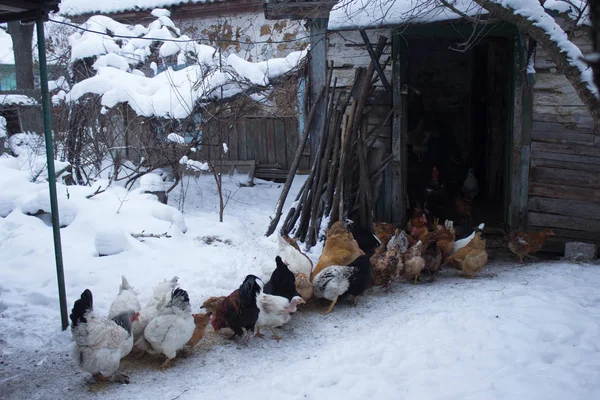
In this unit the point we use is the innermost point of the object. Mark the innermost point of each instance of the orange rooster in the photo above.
(472, 258)
(340, 249)
(524, 244)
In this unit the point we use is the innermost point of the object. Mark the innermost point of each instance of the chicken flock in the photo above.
(353, 260)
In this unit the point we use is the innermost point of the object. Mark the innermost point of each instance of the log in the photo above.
(294, 166)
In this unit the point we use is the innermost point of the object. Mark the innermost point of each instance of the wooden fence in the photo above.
(271, 142)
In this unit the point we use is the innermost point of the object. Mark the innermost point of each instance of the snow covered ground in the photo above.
(513, 332)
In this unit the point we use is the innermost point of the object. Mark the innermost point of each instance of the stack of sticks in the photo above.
(339, 183)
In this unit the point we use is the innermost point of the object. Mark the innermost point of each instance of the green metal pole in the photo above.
(60, 275)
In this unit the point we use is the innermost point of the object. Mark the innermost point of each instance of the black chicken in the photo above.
(282, 282)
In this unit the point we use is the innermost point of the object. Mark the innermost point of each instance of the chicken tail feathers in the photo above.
(249, 289)
(124, 284)
(180, 298)
(81, 307)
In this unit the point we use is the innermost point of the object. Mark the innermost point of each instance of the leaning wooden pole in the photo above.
(294, 166)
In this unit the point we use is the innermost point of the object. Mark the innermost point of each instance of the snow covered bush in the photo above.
(140, 99)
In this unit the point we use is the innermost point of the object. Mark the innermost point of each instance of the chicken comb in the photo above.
(435, 173)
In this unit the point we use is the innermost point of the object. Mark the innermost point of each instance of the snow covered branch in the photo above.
(530, 16)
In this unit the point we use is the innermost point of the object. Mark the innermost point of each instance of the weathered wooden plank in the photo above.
(251, 140)
(575, 166)
(562, 137)
(562, 127)
(579, 150)
(572, 208)
(230, 137)
(569, 233)
(559, 109)
(242, 142)
(564, 192)
(576, 121)
(270, 140)
(280, 146)
(563, 222)
(559, 176)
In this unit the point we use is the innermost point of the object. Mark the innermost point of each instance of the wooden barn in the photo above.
(495, 110)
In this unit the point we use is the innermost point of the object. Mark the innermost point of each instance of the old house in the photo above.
(442, 100)
(266, 135)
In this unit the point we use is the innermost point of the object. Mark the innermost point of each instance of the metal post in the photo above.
(60, 275)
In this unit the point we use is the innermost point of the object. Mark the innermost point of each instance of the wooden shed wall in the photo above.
(564, 175)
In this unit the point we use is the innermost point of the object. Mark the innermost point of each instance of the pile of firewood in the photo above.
(340, 181)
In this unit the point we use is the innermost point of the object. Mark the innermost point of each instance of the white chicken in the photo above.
(160, 296)
(459, 244)
(470, 185)
(100, 343)
(274, 311)
(297, 261)
(126, 300)
(171, 329)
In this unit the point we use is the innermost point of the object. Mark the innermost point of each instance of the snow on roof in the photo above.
(17, 99)
(348, 14)
(81, 7)
(172, 93)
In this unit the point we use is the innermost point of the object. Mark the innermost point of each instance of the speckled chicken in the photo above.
(386, 264)
(523, 244)
(413, 263)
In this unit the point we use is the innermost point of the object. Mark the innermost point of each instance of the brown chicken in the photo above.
(201, 321)
(386, 264)
(445, 237)
(340, 249)
(212, 304)
(304, 286)
(384, 232)
(524, 244)
(432, 256)
(472, 258)
(413, 263)
(417, 220)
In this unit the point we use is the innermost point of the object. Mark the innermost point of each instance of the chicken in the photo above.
(386, 264)
(472, 258)
(201, 321)
(282, 282)
(470, 186)
(445, 237)
(100, 343)
(337, 280)
(460, 243)
(413, 262)
(523, 244)
(297, 261)
(436, 198)
(463, 206)
(211, 305)
(365, 238)
(171, 329)
(417, 220)
(126, 300)
(239, 311)
(340, 249)
(433, 258)
(304, 286)
(274, 311)
(384, 232)
(160, 296)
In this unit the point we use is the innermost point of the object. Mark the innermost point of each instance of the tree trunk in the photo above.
(559, 57)
(22, 35)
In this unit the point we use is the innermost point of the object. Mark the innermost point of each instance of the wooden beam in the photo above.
(317, 78)
(375, 60)
(399, 127)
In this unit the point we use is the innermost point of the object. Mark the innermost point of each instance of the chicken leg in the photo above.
(330, 309)
(165, 364)
(275, 335)
(246, 337)
(258, 334)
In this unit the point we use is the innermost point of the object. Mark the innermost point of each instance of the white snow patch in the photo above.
(2, 127)
(111, 241)
(17, 99)
(194, 165)
(151, 182)
(225, 148)
(175, 138)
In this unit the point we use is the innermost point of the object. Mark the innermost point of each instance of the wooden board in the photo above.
(565, 192)
(564, 137)
(553, 160)
(578, 150)
(563, 222)
(566, 177)
(580, 209)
